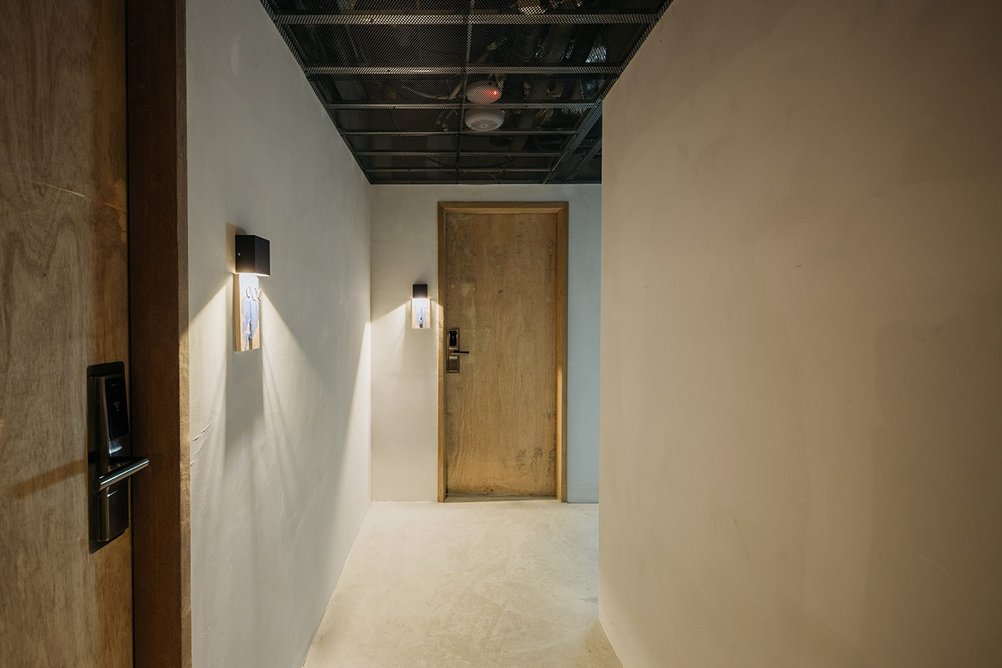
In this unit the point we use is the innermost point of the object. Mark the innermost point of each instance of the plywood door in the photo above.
(63, 280)
(501, 290)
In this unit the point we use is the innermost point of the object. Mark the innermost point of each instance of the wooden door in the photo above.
(63, 280)
(503, 272)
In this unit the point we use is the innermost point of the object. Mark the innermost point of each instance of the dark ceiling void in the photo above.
(475, 91)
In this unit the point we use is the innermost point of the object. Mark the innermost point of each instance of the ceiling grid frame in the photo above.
(401, 108)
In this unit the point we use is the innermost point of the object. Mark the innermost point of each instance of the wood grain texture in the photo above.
(440, 319)
(503, 271)
(63, 276)
(158, 249)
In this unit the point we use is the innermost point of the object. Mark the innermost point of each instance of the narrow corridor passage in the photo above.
(504, 583)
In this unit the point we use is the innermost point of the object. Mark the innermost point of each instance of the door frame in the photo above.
(156, 112)
(560, 209)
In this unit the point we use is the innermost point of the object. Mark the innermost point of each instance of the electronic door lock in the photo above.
(453, 351)
(110, 463)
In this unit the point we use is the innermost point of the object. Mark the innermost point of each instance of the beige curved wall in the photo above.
(801, 406)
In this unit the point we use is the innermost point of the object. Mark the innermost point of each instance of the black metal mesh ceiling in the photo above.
(394, 77)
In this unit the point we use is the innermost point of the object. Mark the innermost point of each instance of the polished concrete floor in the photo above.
(503, 583)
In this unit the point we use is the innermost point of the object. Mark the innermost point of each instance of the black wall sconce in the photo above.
(420, 306)
(253, 255)
(253, 260)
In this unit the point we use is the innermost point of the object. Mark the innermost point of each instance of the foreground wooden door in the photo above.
(503, 270)
(63, 281)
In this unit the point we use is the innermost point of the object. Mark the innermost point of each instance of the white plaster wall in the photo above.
(280, 436)
(802, 337)
(404, 367)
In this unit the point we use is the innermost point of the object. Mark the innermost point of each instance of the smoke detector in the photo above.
(483, 92)
(484, 119)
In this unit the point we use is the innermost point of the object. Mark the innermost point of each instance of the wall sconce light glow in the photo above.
(253, 260)
(420, 307)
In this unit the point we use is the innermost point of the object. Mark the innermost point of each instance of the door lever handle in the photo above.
(129, 466)
(457, 351)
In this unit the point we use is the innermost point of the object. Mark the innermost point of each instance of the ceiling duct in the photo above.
(531, 7)
(552, 52)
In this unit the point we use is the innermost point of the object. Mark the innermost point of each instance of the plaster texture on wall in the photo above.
(280, 435)
(802, 337)
(404, 367)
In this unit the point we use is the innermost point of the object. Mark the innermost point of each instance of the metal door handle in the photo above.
(128, 467)
(456, 351)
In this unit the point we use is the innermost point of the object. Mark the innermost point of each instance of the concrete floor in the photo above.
(504, 583)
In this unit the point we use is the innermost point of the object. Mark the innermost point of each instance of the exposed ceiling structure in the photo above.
(474, 91)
